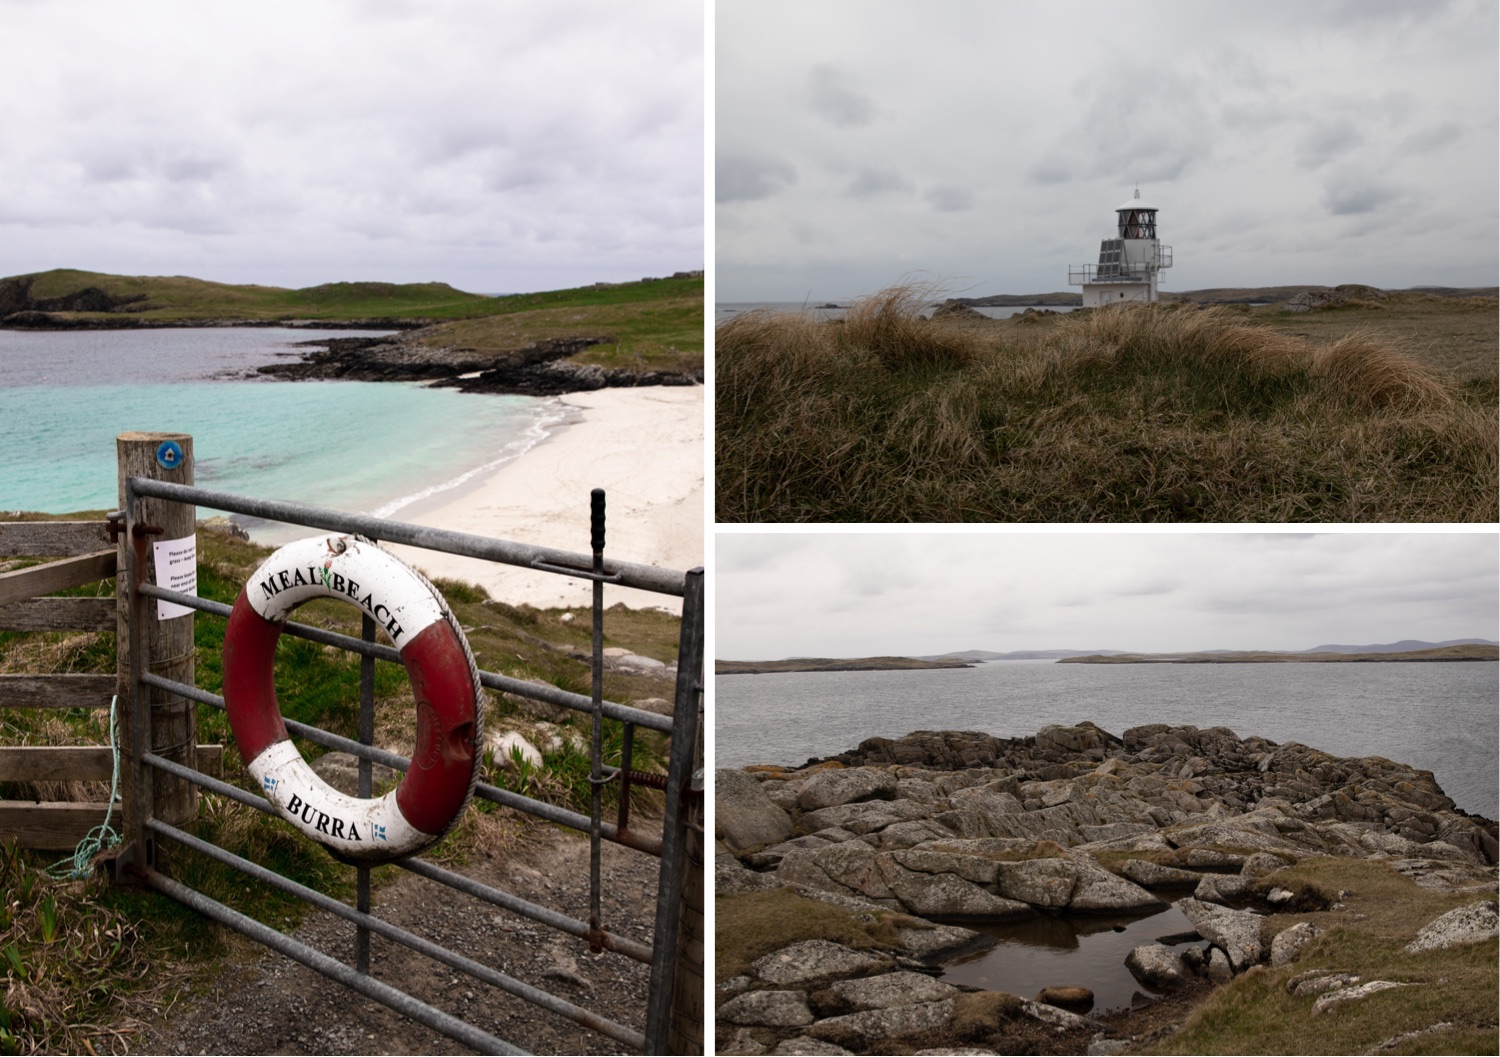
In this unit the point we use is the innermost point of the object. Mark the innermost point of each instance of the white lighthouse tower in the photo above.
(1128, 264)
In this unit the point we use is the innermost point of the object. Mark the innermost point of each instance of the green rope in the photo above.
(101, 836)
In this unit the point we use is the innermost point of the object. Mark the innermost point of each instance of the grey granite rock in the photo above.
(744, 816)
(769, 1009)
(833, 788)
(814, 962)
(1474, 923)
(1157, 965)
(1287, 946)
(1237, 932)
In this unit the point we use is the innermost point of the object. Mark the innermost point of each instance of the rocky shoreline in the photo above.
(540, 369)
(927, 833)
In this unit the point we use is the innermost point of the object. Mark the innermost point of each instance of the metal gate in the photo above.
(160, 782)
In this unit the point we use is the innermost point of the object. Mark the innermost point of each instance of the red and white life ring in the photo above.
(444, 681)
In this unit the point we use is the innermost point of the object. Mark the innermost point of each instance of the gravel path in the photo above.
(270, 1004)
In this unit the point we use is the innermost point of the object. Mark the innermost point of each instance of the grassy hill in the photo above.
(73, 295)
(135, 299)
(651, 324)
(654, 326)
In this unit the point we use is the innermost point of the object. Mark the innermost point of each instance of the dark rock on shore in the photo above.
(536, 370)
(957, 826)
(539, 370)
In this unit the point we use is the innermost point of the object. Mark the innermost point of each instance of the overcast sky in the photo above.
(855, 595)
(985, 145)
(497, 145)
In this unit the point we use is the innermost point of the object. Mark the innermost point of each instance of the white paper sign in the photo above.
(176, 570)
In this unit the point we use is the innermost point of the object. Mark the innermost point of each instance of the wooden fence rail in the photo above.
(83, 554)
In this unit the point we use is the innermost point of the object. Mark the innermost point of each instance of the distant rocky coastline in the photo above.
(539, 369)
(830, 664)
(1296, 298)
(927, 832)
(1469, 652)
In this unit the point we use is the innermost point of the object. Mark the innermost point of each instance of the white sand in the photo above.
(644, 447)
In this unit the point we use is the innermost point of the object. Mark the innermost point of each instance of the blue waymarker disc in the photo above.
(169, 455)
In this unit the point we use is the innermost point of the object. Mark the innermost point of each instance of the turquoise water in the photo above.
(368, 447)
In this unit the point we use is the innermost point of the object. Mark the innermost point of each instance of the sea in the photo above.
(835, 309)
(362, 447)
(1437, 716)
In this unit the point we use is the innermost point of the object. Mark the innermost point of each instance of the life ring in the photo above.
(444, 680)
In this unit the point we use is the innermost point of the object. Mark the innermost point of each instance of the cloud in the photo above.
(1263, 150)
(832, 99)
(739, 178)
(1153, 132)
(1351, 193)
(871, 181)
(950, 199)
(1427, 140)
(450, 134)
(1327, 141)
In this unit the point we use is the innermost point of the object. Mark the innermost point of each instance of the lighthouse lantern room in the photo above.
(1128, 265)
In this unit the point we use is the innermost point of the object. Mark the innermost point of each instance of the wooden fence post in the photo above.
(151, 719)
(686, 1028)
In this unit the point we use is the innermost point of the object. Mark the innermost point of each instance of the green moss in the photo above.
(751, 925)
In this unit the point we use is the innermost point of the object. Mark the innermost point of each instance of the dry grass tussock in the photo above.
(70, 960)
(1132, 413)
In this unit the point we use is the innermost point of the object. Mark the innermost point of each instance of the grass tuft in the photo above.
(890, 325)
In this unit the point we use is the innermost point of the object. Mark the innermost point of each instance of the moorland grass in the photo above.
(1380, 911)
(750, 925)
(1131, 413)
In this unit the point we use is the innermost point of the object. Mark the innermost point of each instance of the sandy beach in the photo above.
(644, 447)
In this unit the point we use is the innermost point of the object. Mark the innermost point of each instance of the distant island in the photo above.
(1470, 652)
(1253, 295)
(831, 664)
(1404, 650)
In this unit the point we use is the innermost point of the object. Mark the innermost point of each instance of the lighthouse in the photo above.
(1128, 263)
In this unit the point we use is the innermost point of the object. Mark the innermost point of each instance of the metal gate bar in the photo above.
(551, 812)
(477, 970)
(625, 574)
(385, 994)
(619, 944)
(491, 680)
(505, 900)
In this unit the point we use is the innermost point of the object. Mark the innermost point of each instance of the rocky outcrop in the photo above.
(1198, 786)
(965, 826)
